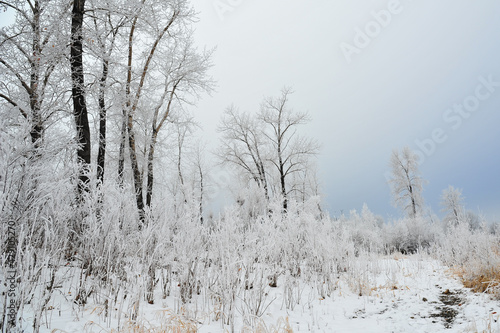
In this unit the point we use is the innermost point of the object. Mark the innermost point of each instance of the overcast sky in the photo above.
(374, 76)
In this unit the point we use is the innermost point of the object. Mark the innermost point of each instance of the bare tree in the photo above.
(132, 98)
(181, 129)
(78, 92)
(258, 145)
(290, 152)
(173, 67)
(406, 183)
(185, 76)
(127, 123)
(107, 21)
(305, 183)
(33, 88)
(196, 180)
(243, 145)
(200, 172)
(452, 203)
(31, 50)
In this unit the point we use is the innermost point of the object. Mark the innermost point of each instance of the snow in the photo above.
(383, 294)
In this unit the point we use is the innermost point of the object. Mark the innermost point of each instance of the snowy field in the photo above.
(391, 294)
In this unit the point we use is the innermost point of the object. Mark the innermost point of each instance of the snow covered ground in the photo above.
(390, 294)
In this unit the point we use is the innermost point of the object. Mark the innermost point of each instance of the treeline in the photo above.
(104, 89)
(102, 82)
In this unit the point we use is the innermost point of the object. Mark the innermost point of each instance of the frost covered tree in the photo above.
(406, 183)
(36, 158)
(290, 153)
(452, 203)
(199, 178)
(78, 93)
(185, 76)
(103, 34)
(268, 148)
(164, 71)
(185, 165)
(31, 50)
(242, 145)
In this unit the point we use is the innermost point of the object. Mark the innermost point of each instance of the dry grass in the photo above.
(282, 326)
(172, 327)
(483, 281)
(172, 323)
(482, 278)
(398, 256)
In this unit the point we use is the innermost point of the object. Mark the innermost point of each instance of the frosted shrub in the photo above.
(326, 250)
(107, 246)
(475, 254)
(410, 235)
(36, 211)
(364, 230)
(255, 296)
(224, 269)
(285, 243)
(252, 202)
(395, 236)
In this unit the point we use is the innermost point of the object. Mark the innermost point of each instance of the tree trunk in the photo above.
(282, 173)
(151, 283)
(283, 188)
(179, 166)
(179, 170)
(121, 153)
(101, 155)
(152, 145)
(263, 178)
(36, 121)
(201, 193)
(413, 203)
(78, 93)
(129, 125)
(136, 172)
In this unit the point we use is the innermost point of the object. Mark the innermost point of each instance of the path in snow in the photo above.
(402, 295)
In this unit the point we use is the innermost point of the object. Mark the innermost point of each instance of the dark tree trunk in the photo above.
(263, 178)
(149, 193)
(121, 154)
(129, 126)
(413, 202)
(36, 121)
(283, 188)
(78, 93)
(101, 155)
(135, 169)
(282, 172)
(201, 193)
